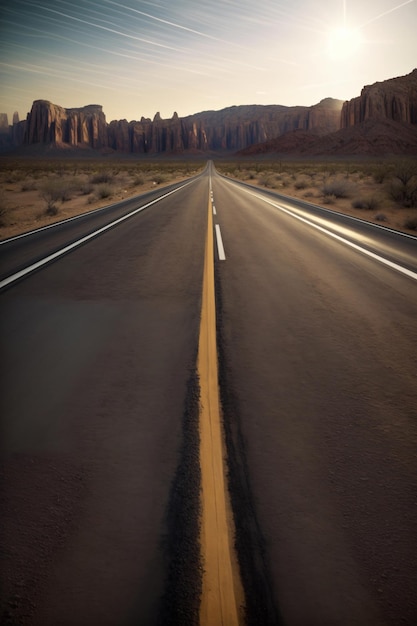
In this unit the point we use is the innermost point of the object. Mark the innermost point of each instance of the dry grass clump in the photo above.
(160, 178)
(104, 191)
(267, 181)
(302, 182)
(101, 177)
(138, 180)
(369, 203)
(338, 187)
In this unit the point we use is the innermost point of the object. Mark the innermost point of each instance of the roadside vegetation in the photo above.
(381, 192)
(36, 192)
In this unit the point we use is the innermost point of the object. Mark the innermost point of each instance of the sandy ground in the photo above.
(23, 206)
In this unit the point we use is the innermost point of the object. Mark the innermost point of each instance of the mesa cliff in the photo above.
(50, 123)
(381, 121)
(329, 127)
(230, 129)
(394, 99)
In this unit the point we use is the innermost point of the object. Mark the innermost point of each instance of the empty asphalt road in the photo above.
(317, 345)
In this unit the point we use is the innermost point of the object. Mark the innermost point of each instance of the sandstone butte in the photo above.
(382, 120)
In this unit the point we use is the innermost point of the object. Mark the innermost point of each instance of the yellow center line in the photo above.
(222, 595)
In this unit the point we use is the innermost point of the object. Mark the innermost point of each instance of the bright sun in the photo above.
(343, 42)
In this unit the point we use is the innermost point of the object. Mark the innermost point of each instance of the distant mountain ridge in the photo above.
(381, 121)
(230, 129)
(331, 126)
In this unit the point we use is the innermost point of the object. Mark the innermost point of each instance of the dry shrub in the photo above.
(338, 187)
(52, 191)
(101, 177)
(86, 189)
(51, 210)
(267, 181)
(139, 180)
(369, 202)
(302, 182)
(411, 223)
(329, 199)
(104, 191)
(381, 173)
(403, 193)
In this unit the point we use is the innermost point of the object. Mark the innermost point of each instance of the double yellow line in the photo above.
(222, 594)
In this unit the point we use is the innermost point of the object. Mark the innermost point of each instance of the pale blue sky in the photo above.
(136, 57)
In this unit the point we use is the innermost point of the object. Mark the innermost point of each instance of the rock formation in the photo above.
(236, 128)
(4, 123)
(394, 99)
(370, 138)
(230, 129)
(50, 123)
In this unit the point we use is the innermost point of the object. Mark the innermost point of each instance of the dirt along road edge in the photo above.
(222, 594)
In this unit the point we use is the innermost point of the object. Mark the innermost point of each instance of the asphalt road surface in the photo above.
(98, 354)
(317, 342)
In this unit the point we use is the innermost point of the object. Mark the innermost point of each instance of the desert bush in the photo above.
(381, 217)
(101, 177)
(405, 171)
(51, 210)
(55, 190)
(302, 182)
(381, 173)
(159, 179)
(267, 181)
(370, 202)
(411, 223)
(28, 185)
(403, 193)
(338, 188)
(104, 191)
(329, 199)
(403, 185)
(139, 180)
(86, 189)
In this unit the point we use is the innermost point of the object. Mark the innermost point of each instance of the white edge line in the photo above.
(65, 221)
(329, 211)
(372, 255)
(220, 247)
(31, 268)
(74, 217)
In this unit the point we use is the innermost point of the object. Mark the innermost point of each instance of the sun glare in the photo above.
(343, 42)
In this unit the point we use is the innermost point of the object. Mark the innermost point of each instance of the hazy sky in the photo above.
(136, 57)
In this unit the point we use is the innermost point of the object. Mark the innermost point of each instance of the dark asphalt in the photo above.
(98, 354)
(23, 250)
(318, 376)
(99, 399)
